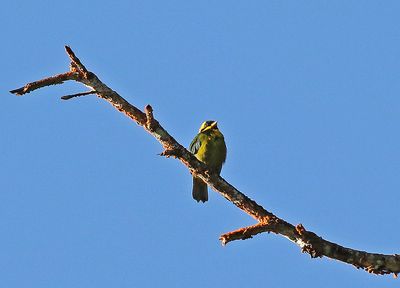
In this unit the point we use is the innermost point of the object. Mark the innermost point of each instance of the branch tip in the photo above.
(68, 49)
(18, 92)
(148, 109)
(223, 240)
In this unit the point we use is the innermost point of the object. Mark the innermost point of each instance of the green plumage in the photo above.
(209, 147)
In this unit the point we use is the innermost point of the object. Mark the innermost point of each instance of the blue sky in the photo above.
(306, 93)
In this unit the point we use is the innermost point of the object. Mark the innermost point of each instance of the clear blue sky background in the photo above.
(306, 93)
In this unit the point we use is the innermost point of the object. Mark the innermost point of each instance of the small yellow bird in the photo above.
(209, 147)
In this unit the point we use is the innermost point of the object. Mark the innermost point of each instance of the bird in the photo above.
(209, 147)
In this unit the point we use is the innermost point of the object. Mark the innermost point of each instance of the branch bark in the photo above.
(308, 241)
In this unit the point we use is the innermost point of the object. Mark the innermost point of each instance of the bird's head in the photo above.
(208, 125)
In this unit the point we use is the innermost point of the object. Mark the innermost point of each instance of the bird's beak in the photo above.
(214, 124)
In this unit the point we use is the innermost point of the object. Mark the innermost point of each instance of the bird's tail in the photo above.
(199, 192)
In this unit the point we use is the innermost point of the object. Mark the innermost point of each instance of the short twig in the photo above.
(245, 233)
(149, 117)
(170, 152)
(75, 62)
(67, 97)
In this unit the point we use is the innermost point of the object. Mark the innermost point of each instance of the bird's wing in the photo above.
(195, 145)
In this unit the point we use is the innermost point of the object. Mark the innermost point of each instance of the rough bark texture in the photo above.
(308, 241)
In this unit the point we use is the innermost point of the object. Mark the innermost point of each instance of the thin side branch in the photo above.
(53, 80)
(245, 233)
(76, 64)
(67, 97)
(308, 241)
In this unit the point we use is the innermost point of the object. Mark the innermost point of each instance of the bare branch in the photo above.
(67, 97)
(245, 233)
(76, 64)
(53, 80)
(308, 241)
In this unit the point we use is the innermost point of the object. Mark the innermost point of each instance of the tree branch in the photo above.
(308, 241)
(246, 232)
(67, 97)
(53, 80)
